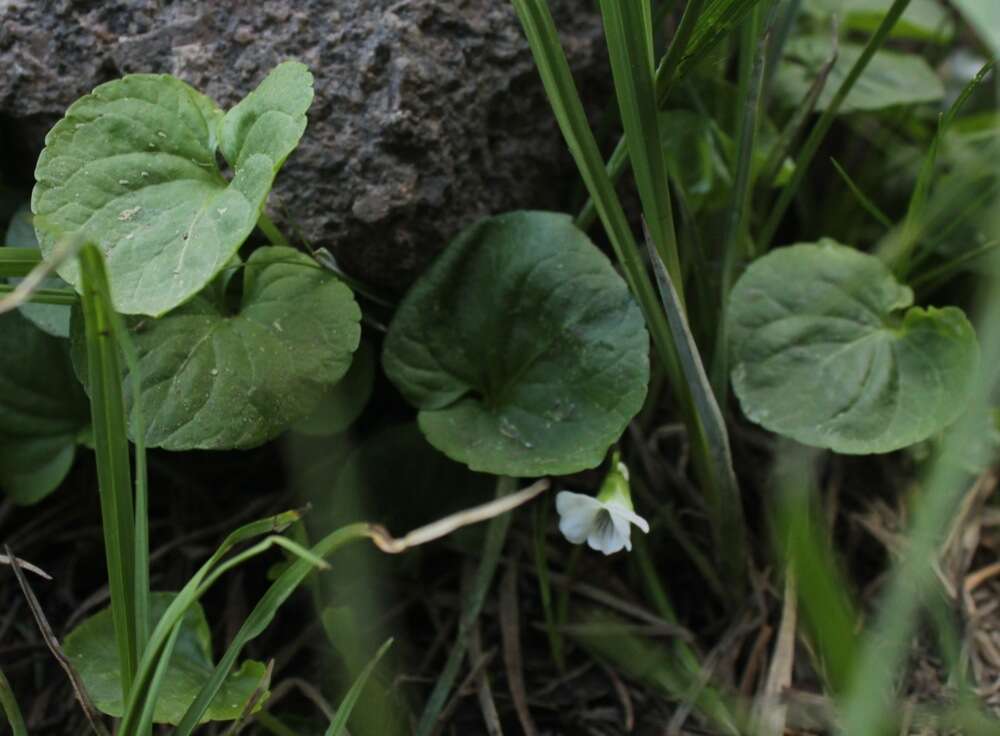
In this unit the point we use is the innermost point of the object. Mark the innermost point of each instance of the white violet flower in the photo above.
(603, 522)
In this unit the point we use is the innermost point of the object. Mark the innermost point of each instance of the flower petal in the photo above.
(577, 513)
(617, 510)
(604, 536)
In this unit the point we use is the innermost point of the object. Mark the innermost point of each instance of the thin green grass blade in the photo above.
(158, 650)
(8, 704)
(627, 28)
(540, 524)
(863, 199)
(17, 262)
(262, 615)
(45, 296)
(822, 126)
(496, 535)
(724, 496)
(152, 693)
(782, 148)
(899, 256)
(829, 612)
(737, 246)
(665, 78)
(111, 449)
(930, 279)
(338, 727)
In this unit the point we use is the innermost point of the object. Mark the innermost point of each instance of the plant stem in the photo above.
(270, 230)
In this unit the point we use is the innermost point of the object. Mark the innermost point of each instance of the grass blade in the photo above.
(558, 82)
(262, 615)
(339, 724)
(17, 262)
(8, 704)
(158, 649)
(724, 495)
(822, 126)
(44, 296)
(111, 449)
(630, 46)
(736, 242)
(901, 249)
(866, 203)
(829, 613)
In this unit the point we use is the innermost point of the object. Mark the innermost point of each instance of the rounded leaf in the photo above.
(821, 354)
(521, 347)
(93, 650)
(213, 380)
(43, 410)
(133, 166)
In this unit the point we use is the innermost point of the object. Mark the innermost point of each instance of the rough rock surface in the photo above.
(428, 113)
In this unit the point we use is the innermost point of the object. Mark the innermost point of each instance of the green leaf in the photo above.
(890, 79)
(92, 650)
(133, 166)
(43, 410)
(923, 20)
(822, 354)
(339, 724)
(521, 347)
(344, 402)
(53, 318)
(213, 380)
(271, 119)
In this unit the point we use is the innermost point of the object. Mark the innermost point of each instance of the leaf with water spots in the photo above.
(133, 166)
(212, 379)
(521, 347)
(823, 352)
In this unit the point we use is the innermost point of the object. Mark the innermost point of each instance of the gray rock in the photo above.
(428, 113)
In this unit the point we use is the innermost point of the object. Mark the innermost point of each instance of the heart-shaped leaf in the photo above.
(822, 354)
(92, 649)
(522, 348)
(214, 380)
(133, 166)
(43, 410)
(52, 318)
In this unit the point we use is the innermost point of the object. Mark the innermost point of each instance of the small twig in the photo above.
(463, 688)
(33, 281)
(443, 527)
(510, 634)
(772, 721)
(24, 565)
(622, 692)
(79, 689)
(484, 691)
